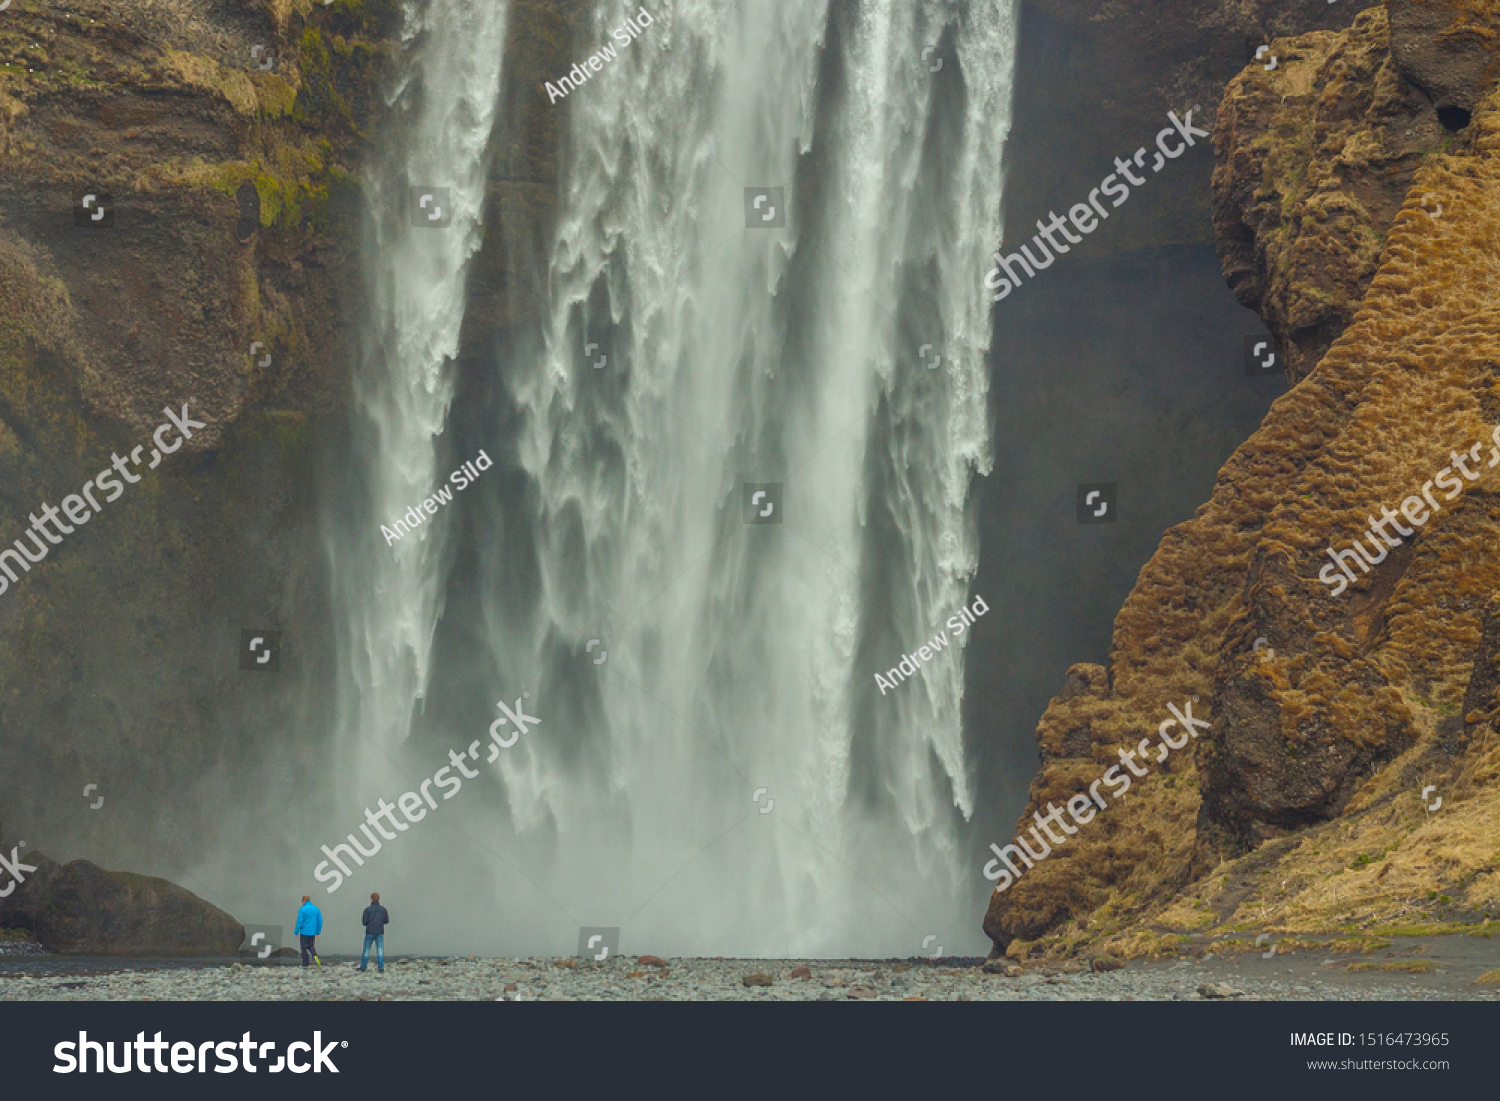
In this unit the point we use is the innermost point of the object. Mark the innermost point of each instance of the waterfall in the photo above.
(391, 595)
(718, 774)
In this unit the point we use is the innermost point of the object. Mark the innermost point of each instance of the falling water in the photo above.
(718, 773)
(391, 595)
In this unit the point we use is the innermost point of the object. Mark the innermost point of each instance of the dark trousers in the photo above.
(307, 948)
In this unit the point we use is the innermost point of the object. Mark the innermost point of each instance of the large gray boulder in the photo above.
(80, 908)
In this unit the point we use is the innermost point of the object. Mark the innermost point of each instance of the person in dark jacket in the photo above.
(309, 925)
(376, 919)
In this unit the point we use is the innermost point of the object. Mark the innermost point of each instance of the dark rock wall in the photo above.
(235, 218)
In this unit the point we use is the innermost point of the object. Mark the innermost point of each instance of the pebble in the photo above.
(21, 948)
(44, 978)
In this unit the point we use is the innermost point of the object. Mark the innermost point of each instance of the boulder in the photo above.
(84, 909)
(19, 909)
(1450, 51)
(1003, 967)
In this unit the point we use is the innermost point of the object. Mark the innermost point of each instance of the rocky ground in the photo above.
(1453, 964)
(10, 947)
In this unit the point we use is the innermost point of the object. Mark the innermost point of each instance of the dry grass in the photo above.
(1384, 690)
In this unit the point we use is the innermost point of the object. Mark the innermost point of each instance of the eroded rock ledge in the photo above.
(1302, 807)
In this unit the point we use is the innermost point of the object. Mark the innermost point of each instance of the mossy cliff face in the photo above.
(1310, 803)
(1316, 157)
(229, 135)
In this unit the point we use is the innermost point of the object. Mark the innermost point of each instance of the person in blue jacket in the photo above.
(309, 925)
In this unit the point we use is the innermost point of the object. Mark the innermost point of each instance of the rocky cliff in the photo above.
(222, 143)
(227, 142)
(1347, 778)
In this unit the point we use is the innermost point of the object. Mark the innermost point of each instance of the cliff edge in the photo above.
(1346, 780)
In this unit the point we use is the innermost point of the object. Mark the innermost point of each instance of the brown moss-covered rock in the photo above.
(22, 907)
(1332, 739)
(1451, 51)
(1314, 159)
(172, 117)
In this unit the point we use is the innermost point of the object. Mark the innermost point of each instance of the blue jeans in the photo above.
(364, 958)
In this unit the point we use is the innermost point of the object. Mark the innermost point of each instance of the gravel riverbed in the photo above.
(1301, 976)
